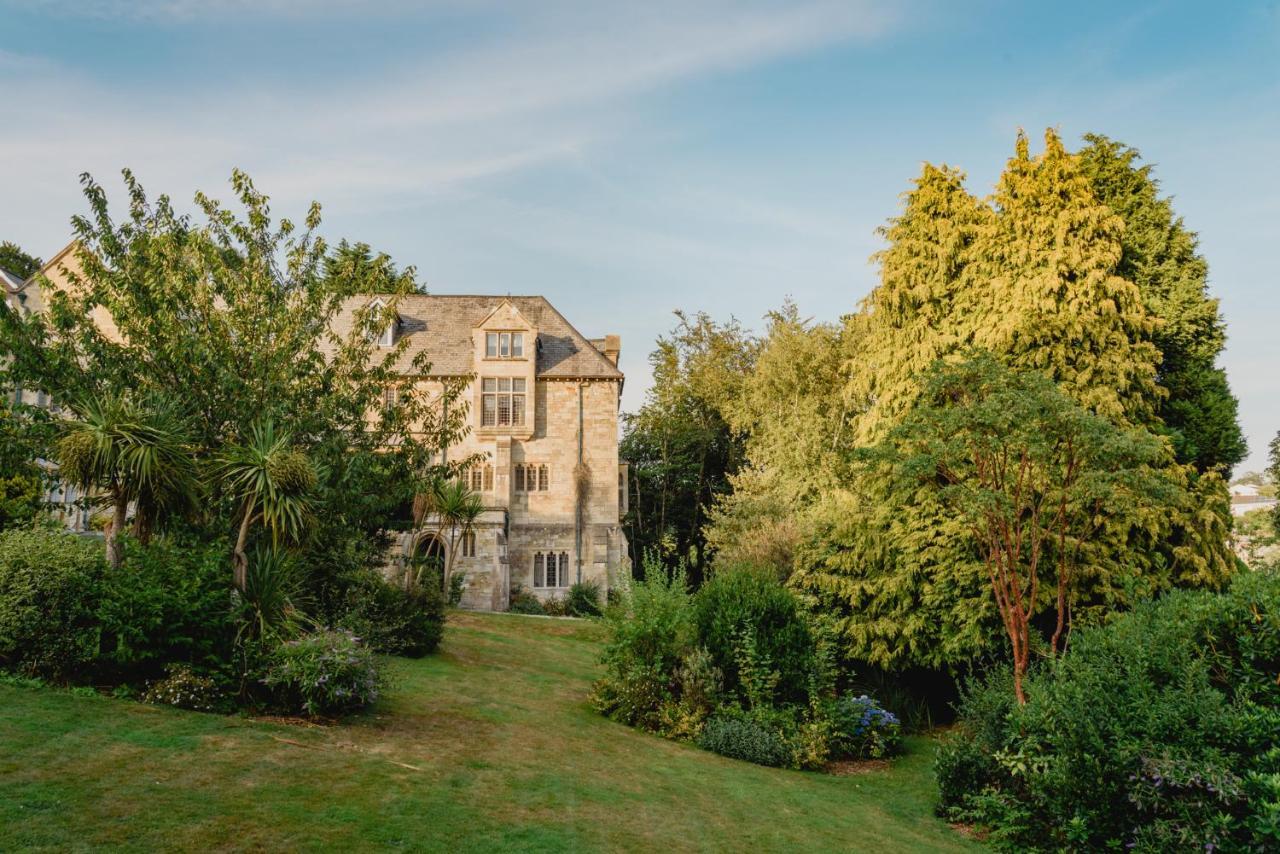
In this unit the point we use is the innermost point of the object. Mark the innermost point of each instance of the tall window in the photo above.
(390, 397)
(504, 345)
(502, 402)
(488, 478)
(551, 569)
(469, 544)
(531, 478)
(475, 479)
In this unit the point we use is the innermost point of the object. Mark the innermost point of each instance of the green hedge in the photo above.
(50, 586)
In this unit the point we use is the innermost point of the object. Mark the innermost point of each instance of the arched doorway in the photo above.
(427, 559)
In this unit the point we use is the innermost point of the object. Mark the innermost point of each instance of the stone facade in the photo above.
(550, 479)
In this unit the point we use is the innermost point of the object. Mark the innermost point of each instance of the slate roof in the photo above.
(441, 325)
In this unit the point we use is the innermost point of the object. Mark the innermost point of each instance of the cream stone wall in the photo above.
(545, 521)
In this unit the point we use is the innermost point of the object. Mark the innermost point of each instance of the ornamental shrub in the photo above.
(740, 736)
(648, 639)
(524, 602)
(1158, 731)
(169, 602)
(394, 619)
(584, 599)
(50, 583)
(183, 689)
(746, 600)
(323, 673)
(861, 729)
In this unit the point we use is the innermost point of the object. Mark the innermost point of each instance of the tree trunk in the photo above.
(119, 510)
(240, 560)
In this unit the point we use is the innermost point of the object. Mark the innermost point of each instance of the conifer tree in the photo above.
(924, 306)
(1160, 255)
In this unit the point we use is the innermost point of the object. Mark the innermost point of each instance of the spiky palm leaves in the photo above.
(129, 450)
(454, 510)
(272, 481)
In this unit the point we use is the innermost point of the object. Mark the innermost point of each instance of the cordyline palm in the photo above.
(272, 482)
(455, 509)
(129, 449)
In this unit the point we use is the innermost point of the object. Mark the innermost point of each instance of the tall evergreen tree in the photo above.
(17, 262)
(924, 306)
(1160, 255)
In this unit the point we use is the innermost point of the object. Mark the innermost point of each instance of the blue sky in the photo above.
(630, 159)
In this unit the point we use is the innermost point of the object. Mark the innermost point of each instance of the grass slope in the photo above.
(489, 745)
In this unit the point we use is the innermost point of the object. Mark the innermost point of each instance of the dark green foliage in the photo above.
(21, 498)
(17, 262)
(50, 583)
(1273, 469)
(1160, 730)
(746, 601)
(681, 449)
(1161, 256)
(324, 673)
(740, 736)
(524, 602)
(391, 619)
(862, 729)
(648, 641)
(583, 599)
(169, 602)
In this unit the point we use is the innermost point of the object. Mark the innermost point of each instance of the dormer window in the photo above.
(387, 336)
(504, 345)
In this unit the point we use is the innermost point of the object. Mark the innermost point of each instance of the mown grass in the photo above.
(489, 745)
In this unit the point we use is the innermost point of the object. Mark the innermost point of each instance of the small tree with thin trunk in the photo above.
(271, 482)
(128, 451)
(1031, 474)
(447, 507)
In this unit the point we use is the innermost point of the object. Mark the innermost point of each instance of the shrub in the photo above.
(861, 729)
(555, 607)
(584, 599)
(1160, 731)
(393, 619)
(752, 601)
(457, 582)
(50, 584)
(649, 638)
(185, 690)
(273, 592)
(323, 673)
(170, 601)
(524, 602)
(739, 736)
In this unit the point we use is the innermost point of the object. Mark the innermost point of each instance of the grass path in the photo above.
(489, 745)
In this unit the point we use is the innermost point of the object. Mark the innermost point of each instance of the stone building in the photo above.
(543, 409)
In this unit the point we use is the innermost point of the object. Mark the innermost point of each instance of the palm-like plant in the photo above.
(129, 450)
(272, 481)
(454, 510)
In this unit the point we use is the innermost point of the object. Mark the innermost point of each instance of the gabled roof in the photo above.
(441, 326)
(10, 281)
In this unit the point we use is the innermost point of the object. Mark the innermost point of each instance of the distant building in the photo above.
(543, 404)
(1246, 497)
(24, 297)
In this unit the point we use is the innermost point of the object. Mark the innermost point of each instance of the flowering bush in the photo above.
(326, 672)
(863, 730)
(184, 689)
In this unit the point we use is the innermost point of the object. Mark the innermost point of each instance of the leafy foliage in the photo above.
(1158, 730)
(185, 689)
(740, 736)
(168, 603)
(583, 599)
(17, 262)
(49, 590)
(394, 619)
(324, 673)
(680, 447)
(861, 729)
(1160, 255)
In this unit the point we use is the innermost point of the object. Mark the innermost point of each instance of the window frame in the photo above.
(504, 344)
(500, 406)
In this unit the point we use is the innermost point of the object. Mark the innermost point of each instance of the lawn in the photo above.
(488, 745)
